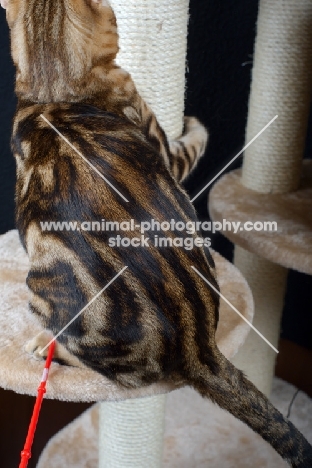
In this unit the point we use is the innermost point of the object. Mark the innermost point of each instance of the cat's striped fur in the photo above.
(158, 319)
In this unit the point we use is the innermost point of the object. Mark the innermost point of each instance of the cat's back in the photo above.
(76, 161)
(105, 172)
(79, 163)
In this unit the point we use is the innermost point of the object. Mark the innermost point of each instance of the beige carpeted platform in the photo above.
(21, 373)
(291, 245)
(198, 435)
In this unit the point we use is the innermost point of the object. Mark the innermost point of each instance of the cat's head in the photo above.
(56, 44)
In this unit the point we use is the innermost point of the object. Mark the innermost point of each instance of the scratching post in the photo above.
(267, 283)
(132, 432)
(281, 84)
(272, 168)
(153, 39)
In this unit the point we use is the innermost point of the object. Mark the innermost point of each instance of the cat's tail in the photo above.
(232, 391)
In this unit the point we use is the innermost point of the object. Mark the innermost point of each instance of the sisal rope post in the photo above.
(132, 433)
(153, 41)
(281, 85)
(267, 283)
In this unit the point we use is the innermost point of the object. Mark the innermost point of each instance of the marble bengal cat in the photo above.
(157, 320)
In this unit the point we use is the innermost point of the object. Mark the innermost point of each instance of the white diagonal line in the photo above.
(84, 308)
(82, 156)
(235, 157)
(234, 308)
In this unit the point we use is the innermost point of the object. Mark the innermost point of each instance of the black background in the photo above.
(220, 53)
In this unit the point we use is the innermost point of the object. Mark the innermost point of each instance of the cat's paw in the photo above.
(37, 344)
(195, 133)
(61, 355)
(190, 123)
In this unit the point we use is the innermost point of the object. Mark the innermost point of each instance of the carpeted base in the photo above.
(291, 245)
(198, 435)
(18, 325)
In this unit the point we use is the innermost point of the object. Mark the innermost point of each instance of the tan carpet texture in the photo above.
(198, 434)
(291, 245)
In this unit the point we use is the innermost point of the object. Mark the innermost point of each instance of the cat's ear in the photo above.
(96, 3)
(104, 3)
(4, 3)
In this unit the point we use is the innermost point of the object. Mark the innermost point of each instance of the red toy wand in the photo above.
(26, 453)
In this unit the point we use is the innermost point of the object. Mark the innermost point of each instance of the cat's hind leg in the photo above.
(35, 346)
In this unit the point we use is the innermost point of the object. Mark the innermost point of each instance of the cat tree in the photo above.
(153, 44)
(281, 85)
(153, 48)
(274, 184)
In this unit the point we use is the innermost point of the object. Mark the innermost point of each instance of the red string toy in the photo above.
(26, 452)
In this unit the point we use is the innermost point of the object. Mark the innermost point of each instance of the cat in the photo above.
(157, 320)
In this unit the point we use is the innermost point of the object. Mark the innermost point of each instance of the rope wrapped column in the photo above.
(281, 85)
(153, 41)
(153, 37)
(267, 283)
(132, 432)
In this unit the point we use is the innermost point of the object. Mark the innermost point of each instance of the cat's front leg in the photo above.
(180, 155)
(61, 354)
(186, 151)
